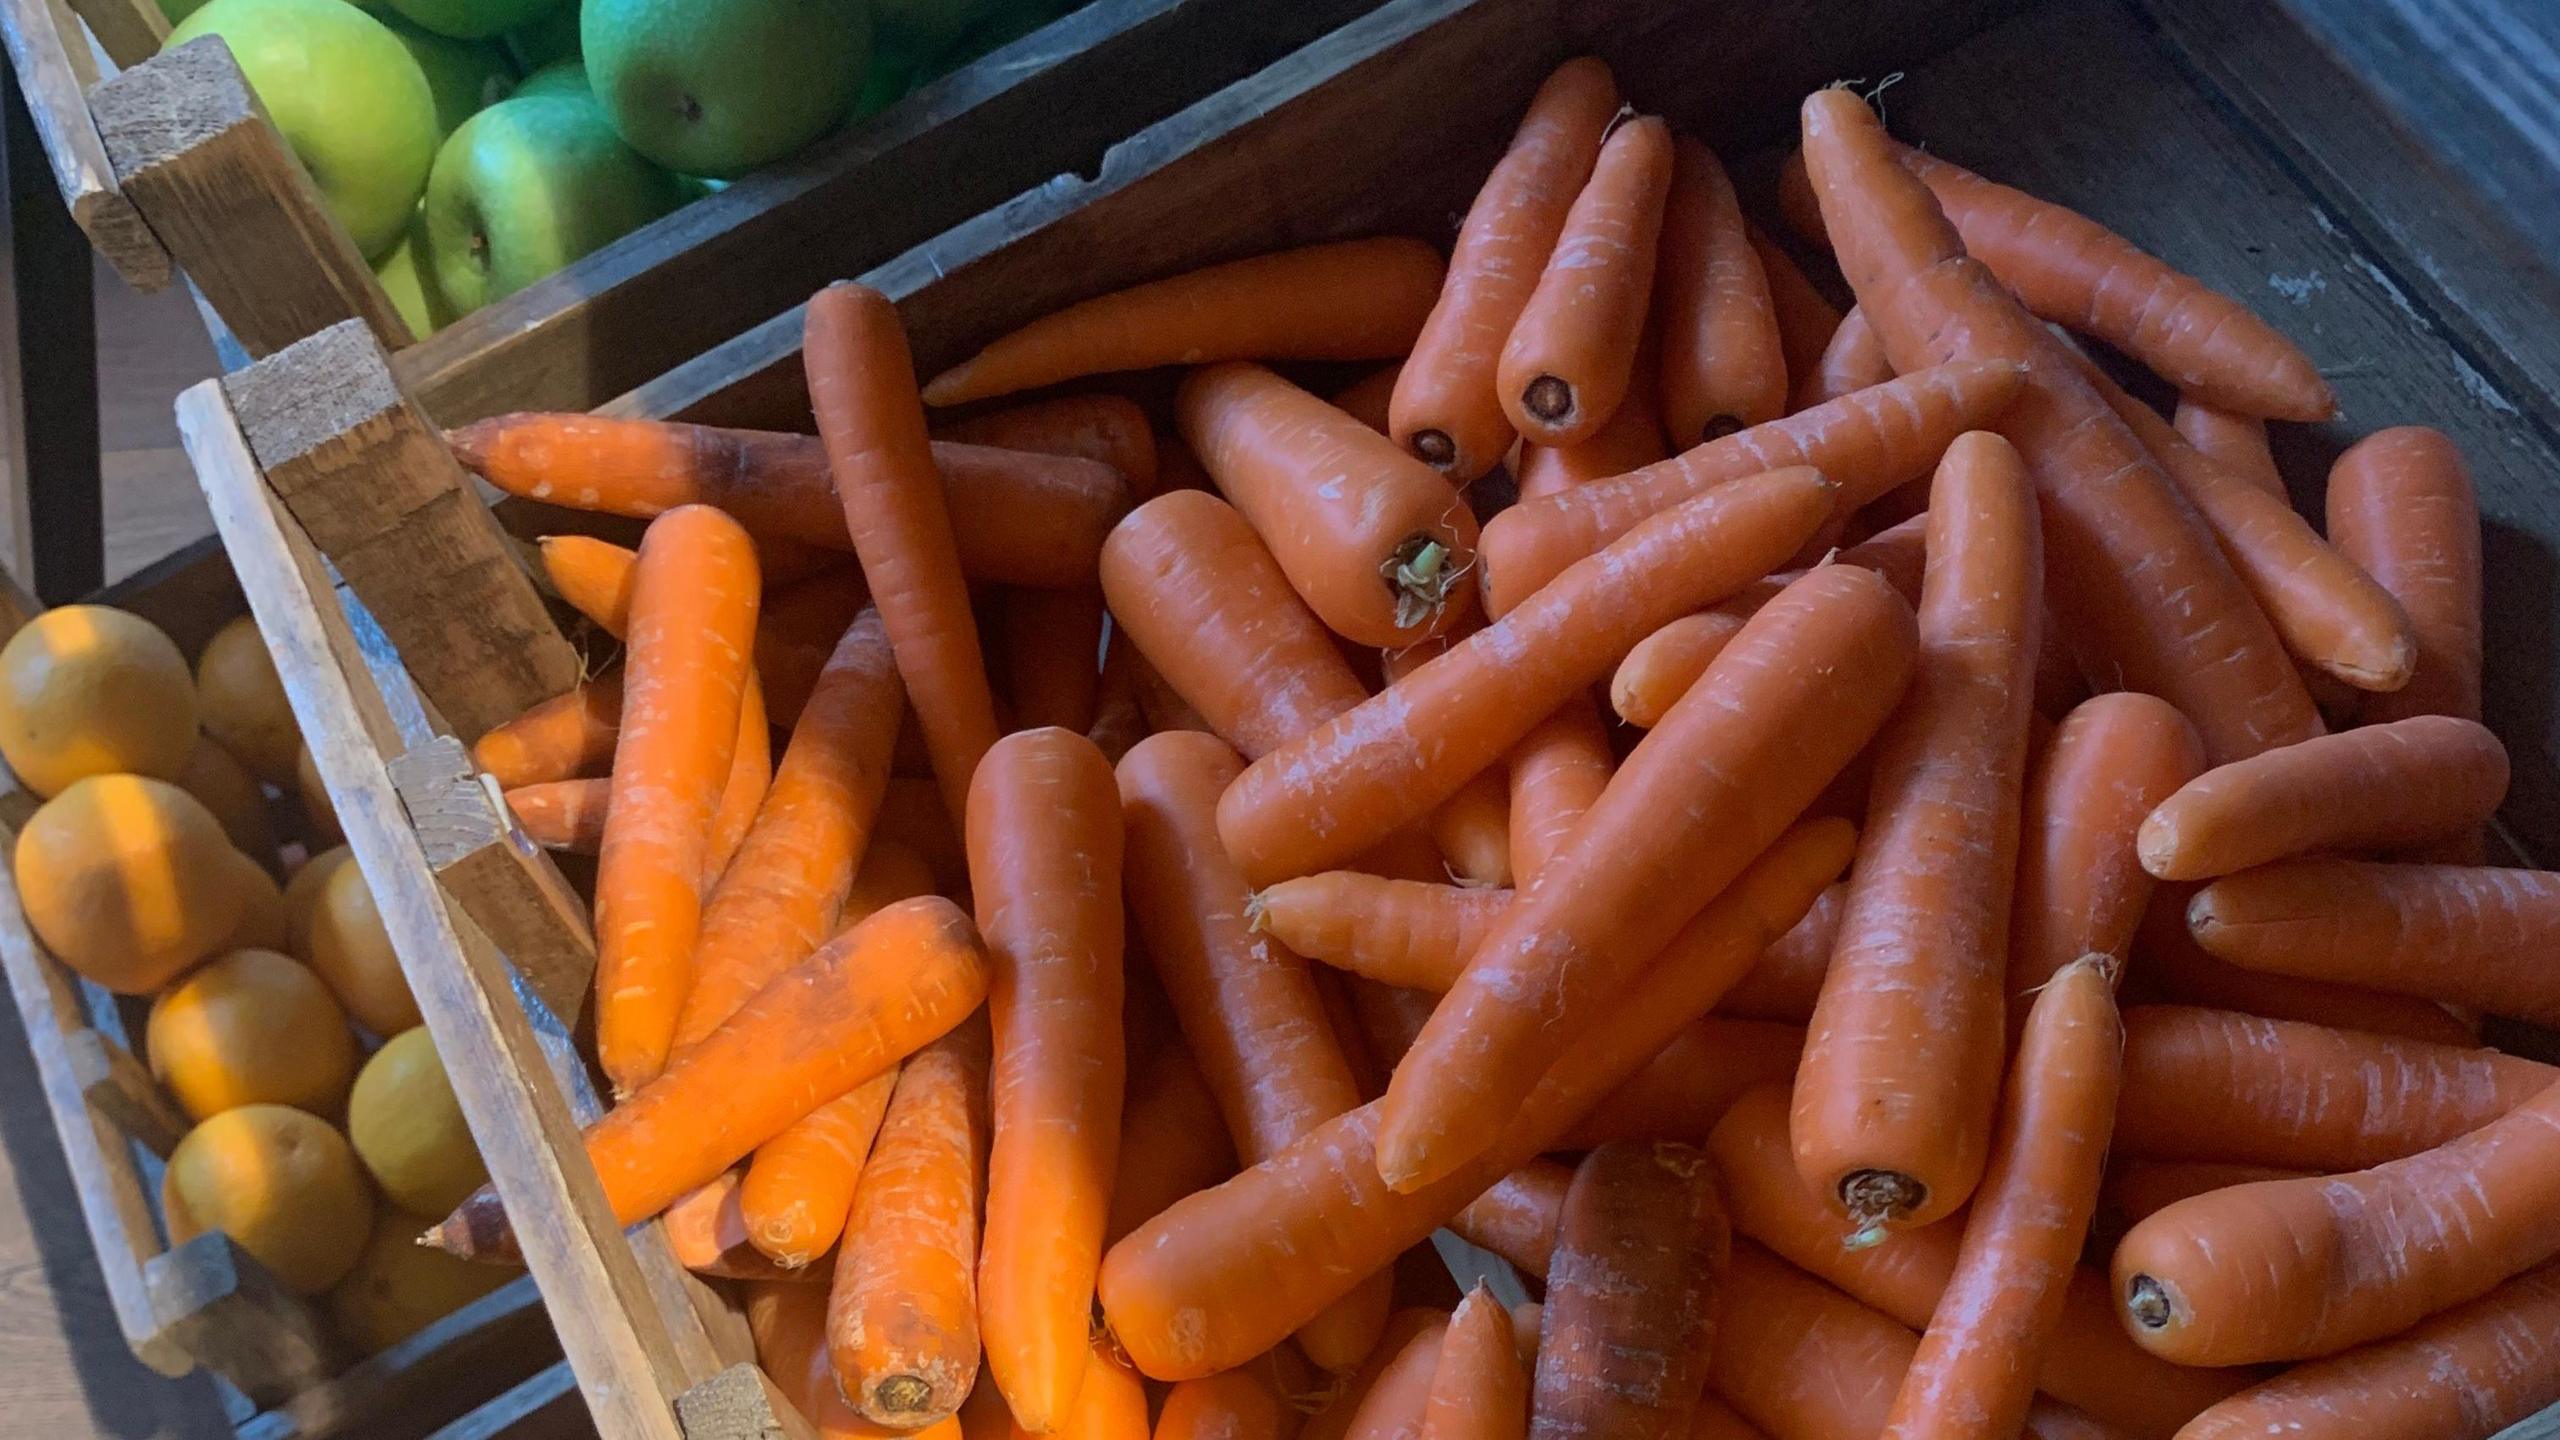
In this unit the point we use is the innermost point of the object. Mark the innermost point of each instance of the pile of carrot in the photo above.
(1220, 843)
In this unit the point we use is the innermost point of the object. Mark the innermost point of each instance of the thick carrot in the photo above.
(693, 615)
(1724, 367)
(567, 737)
(1518, 1218)
(1173, 1140)
(1556, 771)
(1348, 300)
(1804, 687)
(2383, 787)
(1894, 1101)
(2464, 935)
(1359, 777)
(1478, 1391)
(742, 794)
(800, 1186)
(1851, 362)
(1111, 1405)
(2400, 505)
(1631, 1295)
(1866, 443)
(1976, 1369)
(1446, 407)
(2235, 441)
(2211, 1085)
(1044, 836)
(868, 999)
(564, 815)
(1249, 1011)
(2139, 1189)
(862, 386)
(789, 1325)
(1224, 1275)
(1661, 667)
(902, 1319)
(1239, 1404)
(1687, 1087)
(1787, 982)
(1570, 355)
(1105, 427)
(2168, 955)
(1386, 562)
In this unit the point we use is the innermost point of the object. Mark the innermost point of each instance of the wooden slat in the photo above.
(417, 1385)
(374, 485)
(615, 1336)
(119, 1089)
(195, 150)
(56, 92)
(215, 1300)
(130, 31)
(741, 1403)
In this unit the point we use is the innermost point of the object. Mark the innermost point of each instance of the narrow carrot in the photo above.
(2141, 589)
(1518, 1218)
(1446, 407)
(1478, 1391)
(2382, 787)
(862, 384)
(2140, 1189)
(1387, 562)
(1348, 300)
(1359, 777)
(2210, 1085)
(1556, 772)
(1866, 443)
(1397, 1401)
(1412, 934)
(1806, 317)
(912, 816)
(1631, 1295)
(1239, 1404)
(1724, 367)
(1787, 982)
(707, 1234)
(1661, 667)
(564, 815)
(788, 1323)
(1472, 828)
(1224, 1275)
(2463, 935)
(1894, 1102)
(2235, 441)
(902, 1318)
(1044, 835)
(1810, 680)
(1853, 361)
(1053, 657)
(800, 1186)
(1249, 1011)
(567, 737)
(1110, 1405)
(1100, 426)
(742, 794)
(2400, 505)
(2168, 955)
(1191, 585)
(693, 613)
(1570, 355)
(1690, 1083)
(591, 576)
(1976, 1369)
(1173, 1140)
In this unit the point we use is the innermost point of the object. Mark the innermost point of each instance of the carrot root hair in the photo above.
(1422, 578)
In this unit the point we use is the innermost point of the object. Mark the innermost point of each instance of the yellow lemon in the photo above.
(351, 951)
(129, 880)
(282, 1183)
(249, 1028)
(302, 898)
(242, 702)
(408, 1129)
(89, 690)
(400, 1287)
(262, 915)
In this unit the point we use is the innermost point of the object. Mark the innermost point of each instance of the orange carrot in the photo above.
(1348, 300)
(912, 815)
(1853, 361)
(1787, 982)
(1173, 1140)
(1472, 828)
(788, 1323)
(2140, 1189)
(2384, 787)
(1723, 365)
(797, 633)
(1359, 777)
(2400, 505)
(1630, 441)
(1894, 1101)
(1477, 1390)
(1446, 407)
(1806, 317)
(693, 613)
(742, 794)
(1570, 355)
(567, 737)
(862, 386)
(1053, 657)
(2235, 441)
(1387, 562)
(1518, 1218)
(1798, 693)
(564, 815)
(1663, 665)
(902, 1319)
(707, 1234)
(1044, 836)
(1631, 1295)
(1240, 1404)
(1687, 1087)
(2183, 972)
(1556, 772)
(1715, 1420)
(1396, 1402)
(1104, 427)
(800, 1186)
(1110, 1405)
(1407, 933)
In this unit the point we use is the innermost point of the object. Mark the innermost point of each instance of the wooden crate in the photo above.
(2154, 115)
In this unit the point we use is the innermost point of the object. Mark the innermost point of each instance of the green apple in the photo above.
(478, 19)
(467, 76)
(718, 87)
(346, 94)
(553, 37)
(412, 288)
(528, 185)
(560, 77)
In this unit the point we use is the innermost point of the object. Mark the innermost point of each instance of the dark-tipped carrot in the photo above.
(2400, 505)
(567, 737)
(1724, 366)
(1631, 1295)
(1571, 353)
(2382, 787)
(1104, 427)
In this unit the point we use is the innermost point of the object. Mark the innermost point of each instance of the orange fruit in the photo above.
(350, 950)
(408, 1130)
(251, 1028)
(129, 880)
(282, 1183)
(302, 898)
(242, 702)
(400, 1287)
(89, 690)
(232, 794)
(316, 805)
(262, 915)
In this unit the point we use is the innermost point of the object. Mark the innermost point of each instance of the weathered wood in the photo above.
(740, 1403)
(123, 1093)
(130, 31)
(215, 1301)
(417, 1385)
(192, 146)
(53, 76)
(501, 879)
(377, 490)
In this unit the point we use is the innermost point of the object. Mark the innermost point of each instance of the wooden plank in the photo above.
(374, 485)
(219, 1304)
(417, 1385)
(57, 96)
(121, 1091)
(740, 1403)
(192, 146)
(130, 31)
(611, 1329)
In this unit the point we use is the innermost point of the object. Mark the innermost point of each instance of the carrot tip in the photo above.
(1550, 399)
(1435, 448)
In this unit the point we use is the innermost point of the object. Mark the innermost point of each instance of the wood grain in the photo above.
(55, 77)
(120, 1090)
(130, 31)
(215, 1300)
(741, 1403)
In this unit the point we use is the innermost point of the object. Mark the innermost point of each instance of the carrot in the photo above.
(707, 1234)
(1396, 1402)
(1894, 1101)
(2183, 972)
(1053, 657)
(2384, 787)
(2210, 1085)
(2141, 589)
(2081, 887)
(567, 737)
(1191, 586)
(1357, 778)
(2235, 441)
(2464, 935)
(1806, 316)
(1631, 1295)
(800, 1186)
(788, 1323)
(1556, 771)
(1104, 427)
(742, 794)
(1111, 1405)
(1249, 1011)
(1723, 365)
(912, 816)
(1570, 355)
(1224, 1275)
(1407, 933)
(1477, 1389)
(1446, 407)
(1795, 696)
(868, 999)
(2139, 1189)
(1386, 562)
(1661, 667)
(1044, 835)
(1866, 443)
(693, 612)
(2400, 505)
(1853, 361)
(1787, 982)
(591, 576)
(1239, 1404)
(861, 384)
(1715, 1420)
(1687, 1087)
(1173, 1140)
(1472, 828)
(564, 815)
(1630, 441)
(1975, 1372)
(2464, 1374)
(1518, 1218)
(902, 1318)
(1348, 300)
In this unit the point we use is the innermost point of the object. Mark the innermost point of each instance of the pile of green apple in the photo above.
(472, 147)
